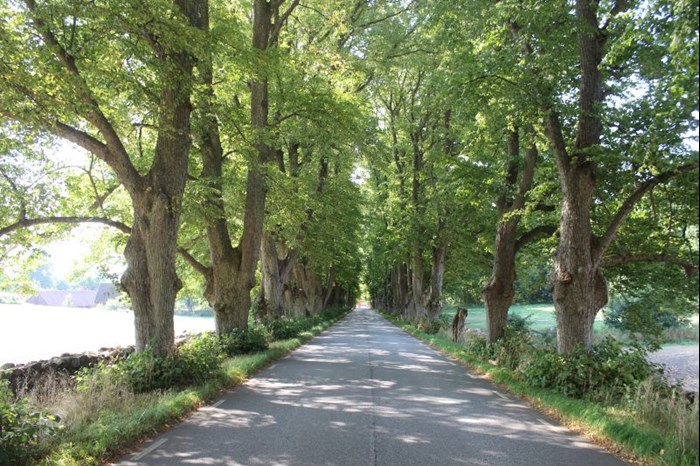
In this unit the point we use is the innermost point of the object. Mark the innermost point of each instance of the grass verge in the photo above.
(624, 430)
(107, 425)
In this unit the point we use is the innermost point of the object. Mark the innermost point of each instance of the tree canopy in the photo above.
(273, 154)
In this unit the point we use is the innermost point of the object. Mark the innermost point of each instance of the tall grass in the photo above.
(672, 412)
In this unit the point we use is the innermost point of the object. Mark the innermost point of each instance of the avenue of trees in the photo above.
(268, 153)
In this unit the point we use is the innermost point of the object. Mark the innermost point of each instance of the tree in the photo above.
(56, 80)
(319, 121)
(580, 289)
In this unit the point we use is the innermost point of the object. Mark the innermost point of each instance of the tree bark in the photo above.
(499, 292)
(400, 289)
(437, 275)
(416, 306)
(150, 279)
(231, 276)
(276, 274)
(579, 288)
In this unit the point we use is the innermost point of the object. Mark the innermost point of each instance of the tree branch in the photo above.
(81, 139)
(627, 206)
(280, 20)
(556, 138)
(529, 236)
(114, 152)
(28, 222)
(189, 258)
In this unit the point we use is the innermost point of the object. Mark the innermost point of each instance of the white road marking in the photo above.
(501, 395)
(217, 404)
(149, 449)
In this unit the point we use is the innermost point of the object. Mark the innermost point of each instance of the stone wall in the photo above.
(25, 377)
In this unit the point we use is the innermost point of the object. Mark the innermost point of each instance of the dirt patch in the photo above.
(681, 363)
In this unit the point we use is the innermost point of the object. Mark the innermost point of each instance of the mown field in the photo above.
(540, 316)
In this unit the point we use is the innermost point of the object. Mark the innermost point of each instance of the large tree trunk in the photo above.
(303, 295)
(579, 288)
(272, 286)
(232, 274)
(499, 292)
(400, 289)
(150, 279)
(416, 306)
(228, 294)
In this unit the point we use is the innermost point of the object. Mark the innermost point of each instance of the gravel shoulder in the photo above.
(681, 363)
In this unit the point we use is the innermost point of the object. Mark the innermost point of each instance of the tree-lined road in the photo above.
(366, 393)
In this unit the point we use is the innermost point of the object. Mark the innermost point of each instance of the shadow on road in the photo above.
(367, 393)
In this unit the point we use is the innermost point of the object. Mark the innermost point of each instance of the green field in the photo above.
(541, 316)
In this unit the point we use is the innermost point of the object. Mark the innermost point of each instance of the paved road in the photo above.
(366, 393)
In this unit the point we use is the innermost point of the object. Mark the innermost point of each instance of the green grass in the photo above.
(541, 315)
(542, 318)
(106, 425)
(666, 437)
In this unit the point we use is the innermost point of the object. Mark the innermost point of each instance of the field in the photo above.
(540, 316)
(29, 332)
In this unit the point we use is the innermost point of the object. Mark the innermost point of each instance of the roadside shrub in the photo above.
(429, 326)
(197, 360)
(446, 319)
(478, 346)
(144, 371)
(606, 371)
(253, 340)
(282, 329)
(514, 348)
(333, 313)
(518, 323)
(200, 358)
(21, 428)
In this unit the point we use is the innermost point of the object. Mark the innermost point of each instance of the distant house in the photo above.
(105, 292)
(76, 298)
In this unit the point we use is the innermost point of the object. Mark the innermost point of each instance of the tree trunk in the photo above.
(416, 307)
(579, 288)
(228, 294)
(437, 275)
(232, 274)
(498, 294)
(400, 289)
(272, 286)
(150, 279)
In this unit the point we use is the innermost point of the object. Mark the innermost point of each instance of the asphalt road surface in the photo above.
(366, 393)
